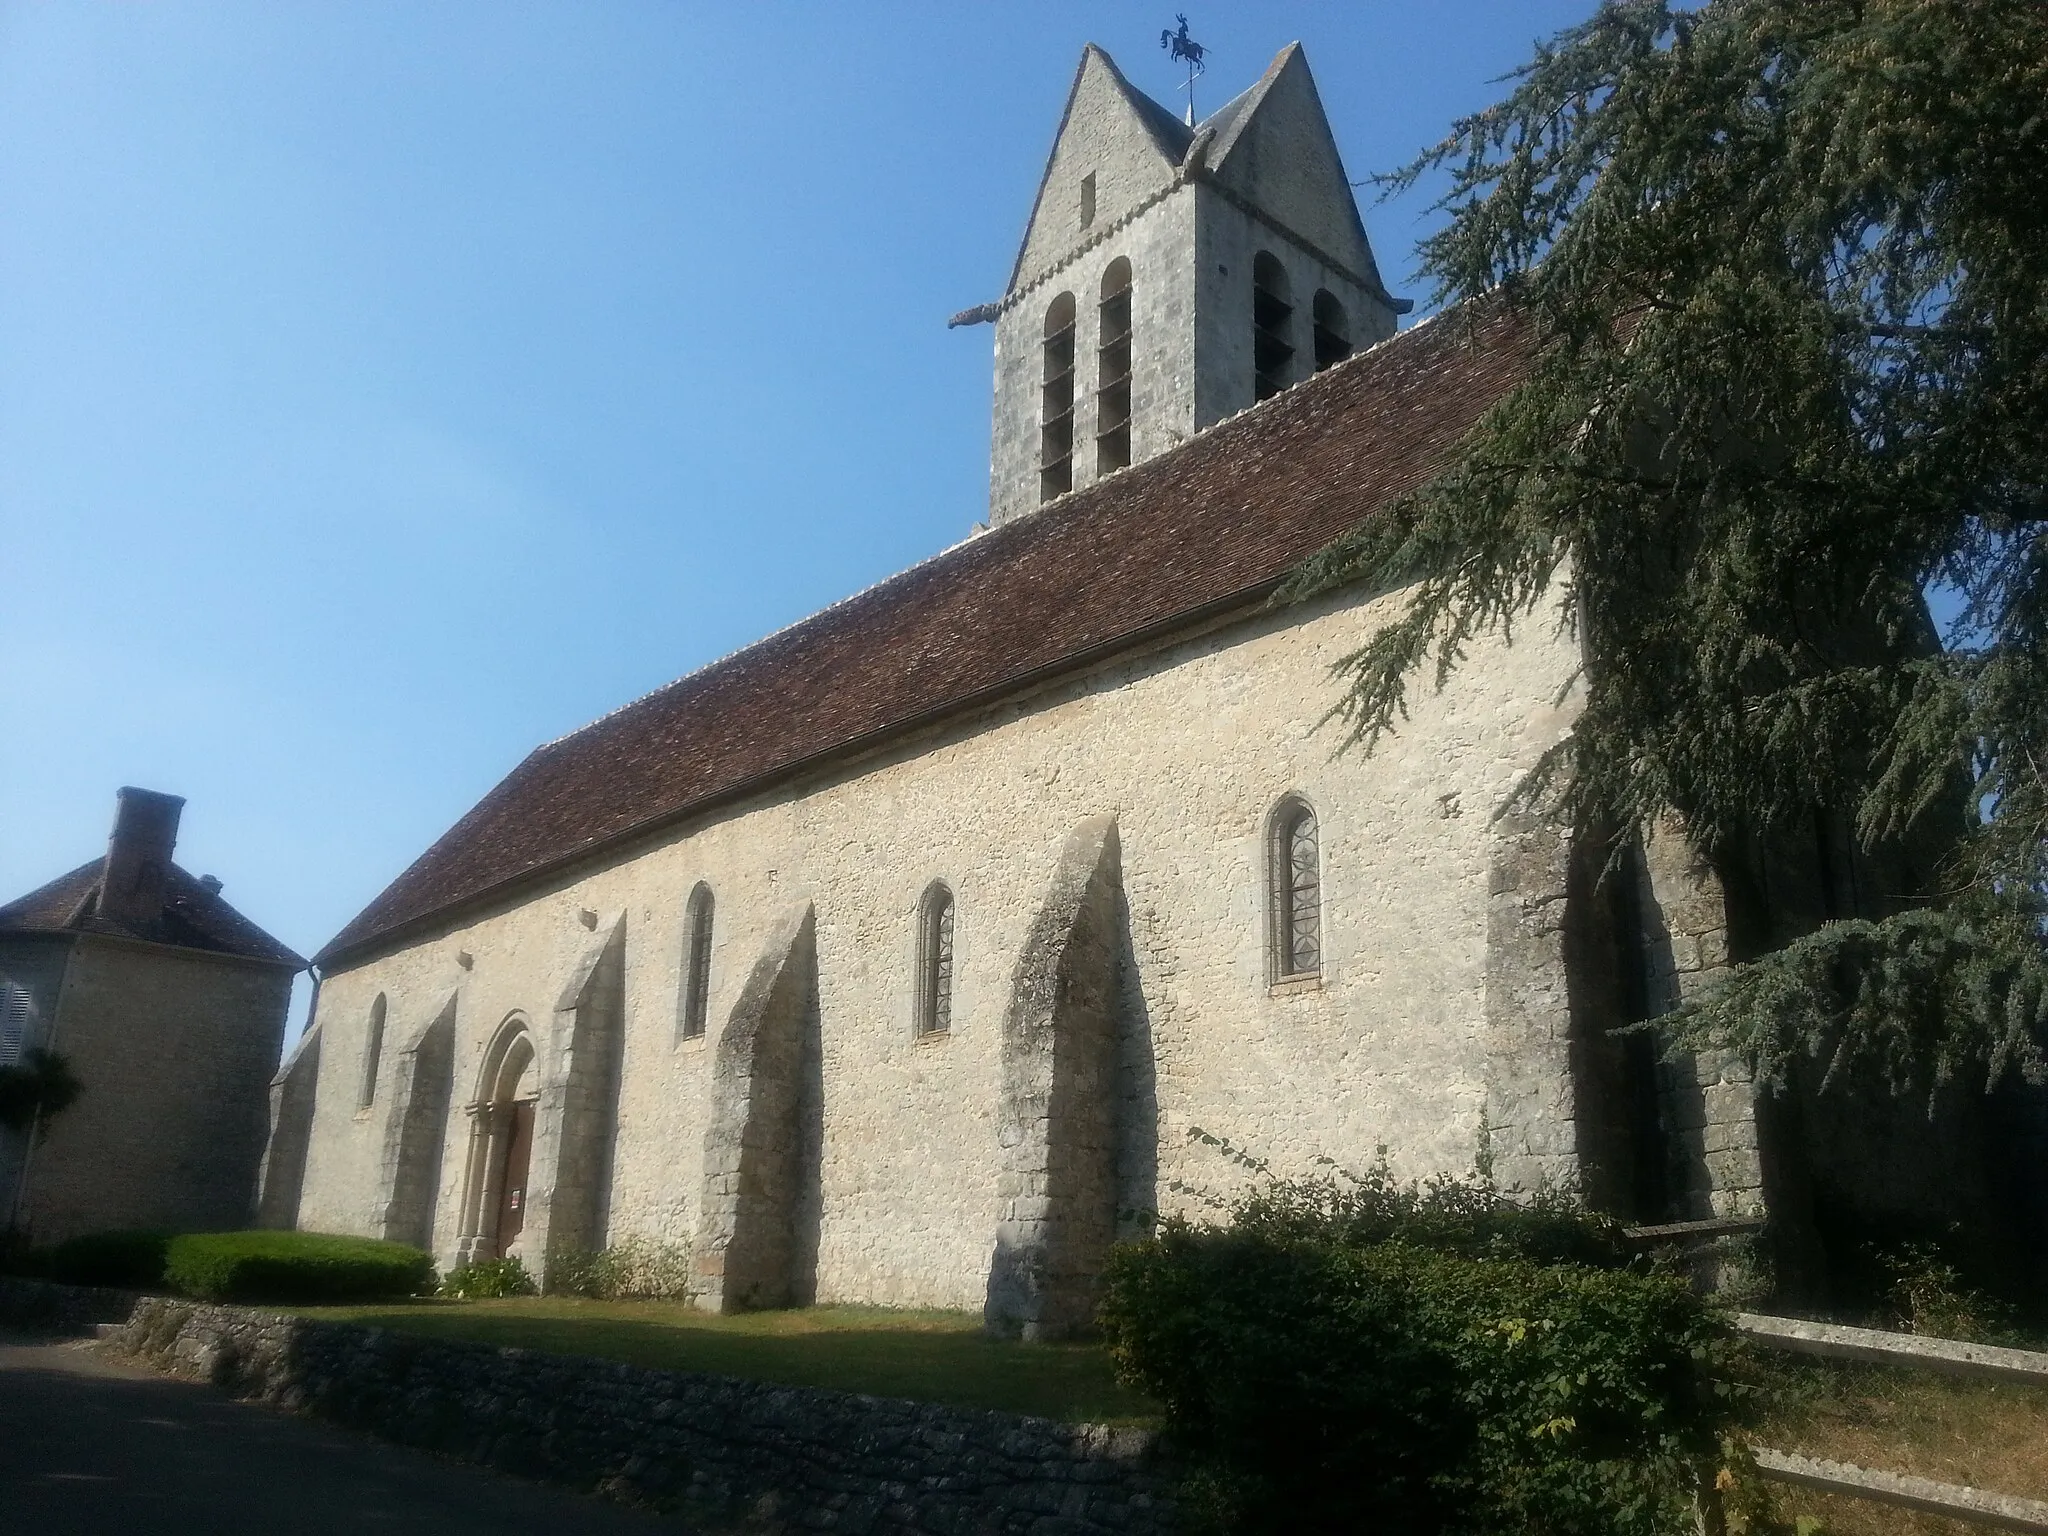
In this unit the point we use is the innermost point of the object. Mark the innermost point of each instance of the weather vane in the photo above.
(1180, 46)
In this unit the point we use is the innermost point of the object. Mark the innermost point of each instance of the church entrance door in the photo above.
(501, 1120)
(518, 1143)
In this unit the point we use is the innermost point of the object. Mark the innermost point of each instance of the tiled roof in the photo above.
(1211, 525)
(193, 917)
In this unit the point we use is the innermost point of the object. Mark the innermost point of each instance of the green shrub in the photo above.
(633, 1268)
(130, 1261)
(296, 1267)
(1323, 1378)
(488, 1279)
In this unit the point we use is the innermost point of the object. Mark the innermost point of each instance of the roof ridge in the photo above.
(1189, 532)
(910, 571)
(773, 635)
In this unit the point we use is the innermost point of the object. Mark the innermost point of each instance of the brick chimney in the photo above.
(138, 863)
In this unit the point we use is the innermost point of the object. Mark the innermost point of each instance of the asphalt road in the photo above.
(90, 1448)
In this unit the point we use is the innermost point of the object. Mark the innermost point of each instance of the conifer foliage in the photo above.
(1783, 265)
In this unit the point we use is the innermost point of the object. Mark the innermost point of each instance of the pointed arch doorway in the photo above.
(501, 1124)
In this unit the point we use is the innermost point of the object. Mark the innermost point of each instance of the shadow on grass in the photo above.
(936, 1357)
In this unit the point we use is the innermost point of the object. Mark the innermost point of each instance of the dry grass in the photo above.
(1983, 1434)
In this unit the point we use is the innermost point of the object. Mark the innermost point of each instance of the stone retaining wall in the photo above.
(790, 1457)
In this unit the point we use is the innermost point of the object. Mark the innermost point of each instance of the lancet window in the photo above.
(373, 1054)
(1295, 879)
(935, 960)
(1056, 402)
(1332, 328)
(694, 1005)
(1272, 325)
(1113, 370)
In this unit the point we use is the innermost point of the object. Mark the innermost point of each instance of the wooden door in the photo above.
(512, 1185)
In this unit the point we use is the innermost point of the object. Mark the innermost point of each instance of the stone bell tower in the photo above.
(1171, 276)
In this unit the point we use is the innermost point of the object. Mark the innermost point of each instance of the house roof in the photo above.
(194, 917)
(1204, 529)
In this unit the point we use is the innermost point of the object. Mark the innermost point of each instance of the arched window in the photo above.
(1272, 325)
(1056, 402)
(1113, 370)
(1295, 880)
(696, 989)
(1333, 330)
(373, 1053)
(935, 960)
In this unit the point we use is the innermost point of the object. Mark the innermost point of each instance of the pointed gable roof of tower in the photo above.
(1275, 149)
(1109, 127)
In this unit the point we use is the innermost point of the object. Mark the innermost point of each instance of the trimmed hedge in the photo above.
(294, 1267)
(237, 1266)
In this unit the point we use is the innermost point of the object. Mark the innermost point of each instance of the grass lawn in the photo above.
(937, 1357)
(1986, 1434)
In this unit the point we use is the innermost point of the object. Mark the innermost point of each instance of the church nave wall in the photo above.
(1189, 750)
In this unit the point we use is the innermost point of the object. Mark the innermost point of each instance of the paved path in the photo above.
(90, 1448)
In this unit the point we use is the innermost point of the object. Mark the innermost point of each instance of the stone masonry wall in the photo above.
(1710, 1101)
(748, 1251)
(576, 1121)
(1159, 243)
(1189, 749)
(1058, 1117)
(793, 1458)
(175, 1049)
(281, 1180)
(414, 1132)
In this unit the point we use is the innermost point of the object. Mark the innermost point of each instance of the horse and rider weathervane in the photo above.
(1180, 46)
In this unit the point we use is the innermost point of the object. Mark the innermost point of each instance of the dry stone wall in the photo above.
(792, 1458)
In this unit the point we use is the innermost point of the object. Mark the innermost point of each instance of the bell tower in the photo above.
(1171, 276)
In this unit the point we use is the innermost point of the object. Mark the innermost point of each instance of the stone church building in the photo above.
(896, 958)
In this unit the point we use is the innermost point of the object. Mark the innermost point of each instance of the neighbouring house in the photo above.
(169, 1007)
(901, 957)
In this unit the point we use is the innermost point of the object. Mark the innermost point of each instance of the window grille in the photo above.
(696, 998)
(1056, 402)
(15, 1006)
(935, 961)
(373, 1051)
(1113, 370)
(1332, 329)
(1297, 886)
(1272, 325)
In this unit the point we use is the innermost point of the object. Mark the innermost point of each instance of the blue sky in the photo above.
(387, 388)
